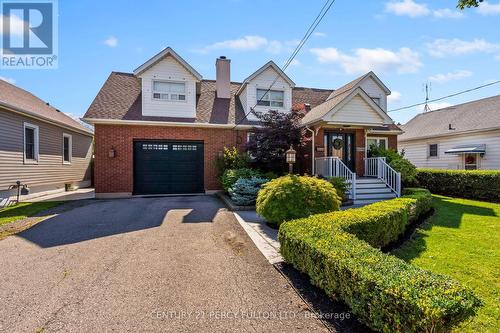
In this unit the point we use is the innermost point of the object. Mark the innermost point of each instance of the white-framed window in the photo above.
(67, 151)
(379, 142)
(433, 150)
(31, 143)
(169, 91)
(272, 98)
(250, 136)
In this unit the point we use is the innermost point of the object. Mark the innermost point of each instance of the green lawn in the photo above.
(462, 240)
(24, 209)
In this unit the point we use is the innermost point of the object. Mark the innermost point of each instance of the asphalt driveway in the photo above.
(144, 264)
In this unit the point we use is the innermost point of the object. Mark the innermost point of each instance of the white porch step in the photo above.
(369, 181)
(370, 185)
(378, 189)
(373, 196)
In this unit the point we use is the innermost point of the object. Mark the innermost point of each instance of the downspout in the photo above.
(313, 164)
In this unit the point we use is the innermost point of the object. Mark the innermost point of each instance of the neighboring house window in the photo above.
(376, 100)
(270, 98)
(67, 148)
(433, 150)
(470, 161)
(250, 136)
(30, 143)
(169, 91)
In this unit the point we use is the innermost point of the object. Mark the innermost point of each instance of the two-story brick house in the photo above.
(159, 129)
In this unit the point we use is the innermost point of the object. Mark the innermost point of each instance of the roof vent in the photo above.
(451, 128)
(47, 103)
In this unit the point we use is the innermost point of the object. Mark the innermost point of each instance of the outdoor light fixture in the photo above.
(290, 158)
(112, 153)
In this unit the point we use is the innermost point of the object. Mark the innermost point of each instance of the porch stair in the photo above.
(371, 189)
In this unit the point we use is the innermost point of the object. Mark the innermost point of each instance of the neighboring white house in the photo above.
(465, 136)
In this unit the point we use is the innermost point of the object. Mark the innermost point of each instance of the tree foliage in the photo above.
(462, 4)
(269, 142)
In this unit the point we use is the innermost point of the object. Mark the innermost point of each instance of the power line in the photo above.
(326, 7)
(445, 97)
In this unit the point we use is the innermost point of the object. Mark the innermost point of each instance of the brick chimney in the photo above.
(223, 77)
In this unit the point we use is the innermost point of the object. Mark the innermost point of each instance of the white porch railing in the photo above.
(334, 167)
(377, 167)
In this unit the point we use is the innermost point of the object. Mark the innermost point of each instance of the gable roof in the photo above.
(483, 114)
(333, 105)
(120, 98)
(161, 55)
(262, 69)
(356, 82)
(22, 101)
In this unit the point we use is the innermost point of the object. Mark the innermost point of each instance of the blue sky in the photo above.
(406, 43)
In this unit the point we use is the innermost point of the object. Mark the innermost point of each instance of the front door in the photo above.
(341, 145)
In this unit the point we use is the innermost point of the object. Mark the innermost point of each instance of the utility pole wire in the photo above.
(445, 97)
(299, 46)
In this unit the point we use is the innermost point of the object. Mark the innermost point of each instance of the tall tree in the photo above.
(462, 4)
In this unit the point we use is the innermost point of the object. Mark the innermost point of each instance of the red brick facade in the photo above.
(115, 175)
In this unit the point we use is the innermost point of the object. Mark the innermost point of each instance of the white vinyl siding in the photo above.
(375, 91)
(168, 70)
(417, 151)
(357, 110)
(248, 96)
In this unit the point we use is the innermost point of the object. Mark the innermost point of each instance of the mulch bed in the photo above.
(335, 314)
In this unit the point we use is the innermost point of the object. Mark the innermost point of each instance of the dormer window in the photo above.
(273, 98)
(169, 91)
(376, 100)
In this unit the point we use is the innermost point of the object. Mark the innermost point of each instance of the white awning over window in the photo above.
(467, 149)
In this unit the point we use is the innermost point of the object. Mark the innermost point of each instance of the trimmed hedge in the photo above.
(291, 197)
(339, 251)
(471, 184)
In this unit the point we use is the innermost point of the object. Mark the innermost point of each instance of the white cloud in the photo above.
(407, 8)
(413, 9)
(8, 79)
(111, 41)
(16, 24)
(485, 8)
(447, 13)
(456, 75)
(394, 97)
(319, 34)
(452, 47)
(403, 60)
(251, 43)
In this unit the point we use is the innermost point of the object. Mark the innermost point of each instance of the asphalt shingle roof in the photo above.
(24, 101)
(120, 98)
(471, 116)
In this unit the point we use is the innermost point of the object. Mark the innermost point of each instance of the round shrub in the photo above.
(292, 197)
(244, 191)
(230, 176)
(406, 168)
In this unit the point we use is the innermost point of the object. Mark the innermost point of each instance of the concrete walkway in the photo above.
(80, 194)
(174, 264)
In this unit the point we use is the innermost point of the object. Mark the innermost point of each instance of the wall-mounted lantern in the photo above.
(290, 158)
(112, 153)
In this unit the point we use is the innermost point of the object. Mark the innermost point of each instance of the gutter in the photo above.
(37, 116)
(95, 121)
